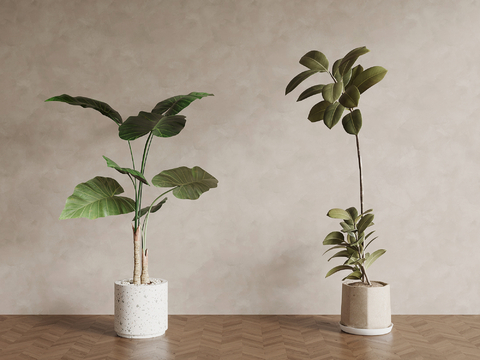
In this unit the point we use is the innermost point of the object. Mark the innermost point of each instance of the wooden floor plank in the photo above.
(225, 337)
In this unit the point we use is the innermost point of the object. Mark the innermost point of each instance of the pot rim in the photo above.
(129, 282)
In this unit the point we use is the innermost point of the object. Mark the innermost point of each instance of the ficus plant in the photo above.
(99, 197)
(342, 94)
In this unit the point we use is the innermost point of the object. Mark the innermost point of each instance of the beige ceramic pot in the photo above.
(366, 309)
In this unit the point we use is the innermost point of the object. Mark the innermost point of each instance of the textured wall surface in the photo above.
(254, 244)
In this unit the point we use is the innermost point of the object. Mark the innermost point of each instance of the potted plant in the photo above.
(365, 303)
(141, 304)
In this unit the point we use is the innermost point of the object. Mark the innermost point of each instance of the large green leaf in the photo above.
(349, 59)
(334, 238)
(188, 183)
(369, 261)
(155, 208)
(175, 104)
(333, 113)
(85, 102)
(297, 80)
(318, 110)
(343, 253)
(315, 60)
(97, 198)
(369, 77)
(335, 72)
(350, 97)
(163, 126)
(136, 174)
(339, 214)
(314, 90)
(352, 122)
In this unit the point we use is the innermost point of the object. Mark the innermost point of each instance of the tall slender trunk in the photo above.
(145, 277)
(137, 259)
(360, 173)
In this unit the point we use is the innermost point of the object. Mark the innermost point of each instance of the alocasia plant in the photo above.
(99, 197)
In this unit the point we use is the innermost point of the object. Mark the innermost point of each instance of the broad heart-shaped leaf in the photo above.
(339, 268)
(155, 208)
(314, 90)
(318, 110)
(136, 174)
(297, 80)
(315, 60)
(175, 104)
(333, 114)
(350, 97)
(188, 183)
(97, 198)
(369, 77)
(334, 238)
(145, 122)
(85, 102)
(339, 214)
(352, 122)
(349, 59)
(331, 92)
(369, 261)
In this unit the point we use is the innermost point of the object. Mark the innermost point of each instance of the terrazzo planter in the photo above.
(141, 311)
(366, 309)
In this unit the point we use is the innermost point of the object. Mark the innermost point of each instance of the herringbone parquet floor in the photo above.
(225, 337)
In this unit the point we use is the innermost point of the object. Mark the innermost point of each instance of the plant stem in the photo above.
(137, 259)
(360, 173)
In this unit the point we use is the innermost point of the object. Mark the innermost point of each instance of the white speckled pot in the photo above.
(366, 310)
(141, 311)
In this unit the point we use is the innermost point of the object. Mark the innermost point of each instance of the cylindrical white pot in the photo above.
(141, 311)
(366, 309)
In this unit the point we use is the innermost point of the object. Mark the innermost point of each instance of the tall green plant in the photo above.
(99, 197)
(340, 95)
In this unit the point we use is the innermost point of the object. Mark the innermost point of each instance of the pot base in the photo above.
(367, 332)
(129, 336)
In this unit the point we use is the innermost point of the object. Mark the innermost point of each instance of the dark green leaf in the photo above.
(85, 102)
(346, 227)
(350, 97)
(339, 268)
(297, 80)
(163, 126)
(369, 77)
(364, 222)
(188, 183)
(136, 174)
(97, 198)
(332, 114)
(352, 122)
(355, 72)
(314, 90)
(175, 104)
(332, 91)
(369, 261)
(339, 214)
(334, 238)
(349, 59)
(347, 76)
(318, 110)
(155, 208)
(315, 60)
(335, 72)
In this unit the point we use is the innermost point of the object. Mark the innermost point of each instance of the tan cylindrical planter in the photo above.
(141, 311)
(366, 309)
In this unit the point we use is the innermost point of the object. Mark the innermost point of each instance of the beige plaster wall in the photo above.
(252, 246)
